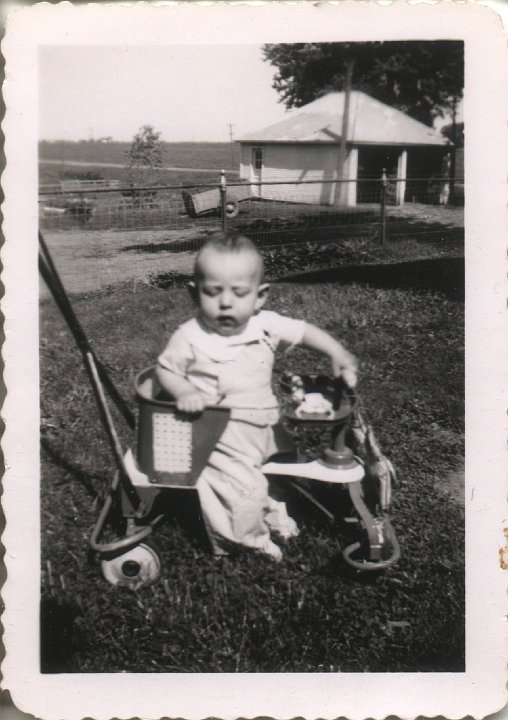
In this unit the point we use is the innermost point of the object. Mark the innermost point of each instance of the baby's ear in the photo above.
(193, 290)
(263, 292)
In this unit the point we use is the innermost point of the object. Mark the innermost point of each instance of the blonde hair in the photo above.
(230, 243)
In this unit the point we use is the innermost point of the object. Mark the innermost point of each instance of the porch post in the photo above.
(352, 174)
(401, 175)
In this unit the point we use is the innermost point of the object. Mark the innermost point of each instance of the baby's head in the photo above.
(228, 283)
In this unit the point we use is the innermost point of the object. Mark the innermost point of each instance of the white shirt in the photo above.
(234, 371)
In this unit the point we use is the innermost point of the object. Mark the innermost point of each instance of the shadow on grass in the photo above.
(443, 275)
(81, 476)
(182, 509)
(58, 640)
(189, 244)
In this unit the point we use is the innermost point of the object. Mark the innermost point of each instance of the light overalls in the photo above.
(236, 372)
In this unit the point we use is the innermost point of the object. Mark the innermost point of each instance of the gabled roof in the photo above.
(370, 121)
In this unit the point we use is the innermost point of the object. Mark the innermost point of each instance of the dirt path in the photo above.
(96, 259)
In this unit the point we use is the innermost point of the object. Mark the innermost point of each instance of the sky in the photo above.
(188, 93)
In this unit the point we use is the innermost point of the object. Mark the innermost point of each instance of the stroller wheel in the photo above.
(137, 567)
(357, 554)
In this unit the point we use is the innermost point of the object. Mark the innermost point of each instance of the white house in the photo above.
(305, 145)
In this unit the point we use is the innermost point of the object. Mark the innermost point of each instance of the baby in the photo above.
(224, 357)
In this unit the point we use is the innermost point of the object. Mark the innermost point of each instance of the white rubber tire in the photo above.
(231, 208)
(133, 569)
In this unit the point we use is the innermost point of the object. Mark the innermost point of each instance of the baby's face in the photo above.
(229, 292)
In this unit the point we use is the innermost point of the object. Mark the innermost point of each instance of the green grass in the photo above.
(246, 614)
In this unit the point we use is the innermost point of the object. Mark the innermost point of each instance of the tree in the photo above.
(145, 159)
(456, 132)
(423, 79)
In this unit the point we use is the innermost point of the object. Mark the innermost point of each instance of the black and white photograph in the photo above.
(255, 359)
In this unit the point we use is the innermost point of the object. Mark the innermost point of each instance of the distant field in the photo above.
(62, 155)
(193, 155)
(50, 174)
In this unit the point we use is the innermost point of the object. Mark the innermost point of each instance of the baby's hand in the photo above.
(191, 402)
(346, 367)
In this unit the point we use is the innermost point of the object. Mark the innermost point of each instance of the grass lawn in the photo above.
(310, 613)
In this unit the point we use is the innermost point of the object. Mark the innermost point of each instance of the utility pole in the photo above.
(344, 133)
(231, 143)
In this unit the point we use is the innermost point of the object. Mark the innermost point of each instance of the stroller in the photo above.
(172, 448)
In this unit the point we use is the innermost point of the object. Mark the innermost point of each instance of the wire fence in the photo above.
(271, 209)
(97, 228)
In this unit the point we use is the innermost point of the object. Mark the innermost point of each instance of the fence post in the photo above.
(222, 188)
(384, 183)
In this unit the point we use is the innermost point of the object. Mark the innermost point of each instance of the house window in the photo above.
(257, 158)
